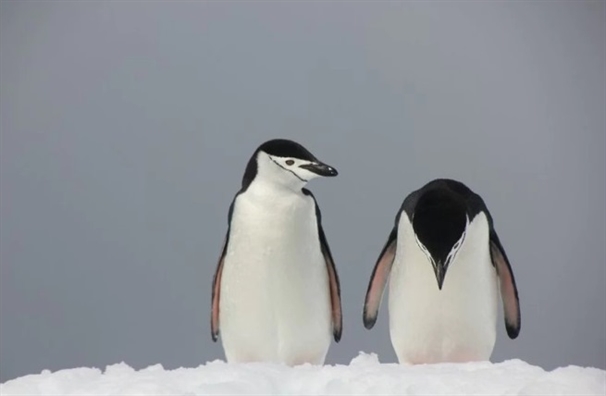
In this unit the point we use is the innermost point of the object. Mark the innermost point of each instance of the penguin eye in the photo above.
(289, 162)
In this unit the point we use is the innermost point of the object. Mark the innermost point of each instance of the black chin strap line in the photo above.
(288, 170)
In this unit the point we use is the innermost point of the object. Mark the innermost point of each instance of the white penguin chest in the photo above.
(457, 323)
(273, 227)
(275, 282)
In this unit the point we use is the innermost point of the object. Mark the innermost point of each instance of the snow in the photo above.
(364, 375)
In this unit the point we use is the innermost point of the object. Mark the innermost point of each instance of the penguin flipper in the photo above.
(507, 284)
(335, 289)
(216, 293)
(378, 279)
(333, 277)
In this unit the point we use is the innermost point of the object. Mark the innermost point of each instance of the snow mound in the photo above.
(364, 375)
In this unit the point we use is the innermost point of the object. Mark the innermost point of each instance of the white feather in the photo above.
(457, 323)
(275, 298)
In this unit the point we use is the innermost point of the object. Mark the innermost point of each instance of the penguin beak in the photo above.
(439, 270)
(320, 169)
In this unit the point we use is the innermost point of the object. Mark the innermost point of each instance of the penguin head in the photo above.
(285, 162)
(440, 222)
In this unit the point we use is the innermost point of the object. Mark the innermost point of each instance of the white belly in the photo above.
(455, 324)
(275, 298)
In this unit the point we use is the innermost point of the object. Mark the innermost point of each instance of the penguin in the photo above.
(276, 294)
(446, 269)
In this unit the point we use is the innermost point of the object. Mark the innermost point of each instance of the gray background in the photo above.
(126, 127)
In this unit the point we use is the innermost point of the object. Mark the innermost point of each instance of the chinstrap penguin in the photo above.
(446, 269)
(275, 294)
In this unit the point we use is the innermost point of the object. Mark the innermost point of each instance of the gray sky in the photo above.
(126, 127)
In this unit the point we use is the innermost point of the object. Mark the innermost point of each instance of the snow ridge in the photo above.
(364, 375)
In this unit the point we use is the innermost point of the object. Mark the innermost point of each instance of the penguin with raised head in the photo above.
(446, 269)
(275, 294)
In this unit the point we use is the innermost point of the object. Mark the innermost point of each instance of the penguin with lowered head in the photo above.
(446, 268)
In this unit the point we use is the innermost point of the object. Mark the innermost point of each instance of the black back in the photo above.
(279, 148)
(472, 202)
(439, 221)
(438, 213)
